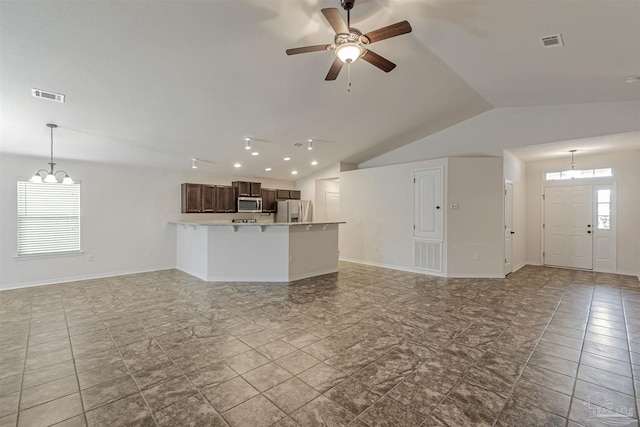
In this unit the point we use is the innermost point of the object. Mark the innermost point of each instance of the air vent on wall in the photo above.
(552, 41)
(427, 255)
(57, 97)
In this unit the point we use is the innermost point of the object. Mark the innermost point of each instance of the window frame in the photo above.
(69, 213)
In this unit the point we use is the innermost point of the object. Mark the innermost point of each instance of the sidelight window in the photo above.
(604, 209)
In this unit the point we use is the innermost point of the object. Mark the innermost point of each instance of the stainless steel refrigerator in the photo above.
(294, 211)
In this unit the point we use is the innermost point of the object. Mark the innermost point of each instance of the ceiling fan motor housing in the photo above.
(347, 4)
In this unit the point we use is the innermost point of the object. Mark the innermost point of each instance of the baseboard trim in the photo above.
(426, 272)
(84, 277)
(393, 267)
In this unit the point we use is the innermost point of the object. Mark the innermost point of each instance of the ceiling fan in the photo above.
(349, 43)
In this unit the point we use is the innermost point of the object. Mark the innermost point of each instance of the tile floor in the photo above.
(364, 347)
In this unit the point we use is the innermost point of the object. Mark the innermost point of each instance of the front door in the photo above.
(568, 230)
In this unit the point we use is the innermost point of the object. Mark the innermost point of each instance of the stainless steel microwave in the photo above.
(249, 204)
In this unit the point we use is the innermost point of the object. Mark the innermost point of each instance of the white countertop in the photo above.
(249, 224)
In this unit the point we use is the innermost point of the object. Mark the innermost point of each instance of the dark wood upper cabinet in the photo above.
(191, 198)
(208, 198)
(294, 194)
(288, 194)
(225, 199)
(247, 189)
(269, 203)
(282, 194)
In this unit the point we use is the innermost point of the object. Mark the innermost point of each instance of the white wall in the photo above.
(377, 204)
(489, 133)
(322, 187)
(515, 171)
(626, 169)
(124, 225)
(475, 229)
(307, 185)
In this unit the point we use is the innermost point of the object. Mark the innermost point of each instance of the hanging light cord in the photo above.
(51, 163)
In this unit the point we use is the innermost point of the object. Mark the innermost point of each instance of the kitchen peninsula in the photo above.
(257, 252)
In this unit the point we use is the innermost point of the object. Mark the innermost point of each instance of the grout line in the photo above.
(575, 381)
(636, 398)
(73, 358)
(537, 342)
(24, 364)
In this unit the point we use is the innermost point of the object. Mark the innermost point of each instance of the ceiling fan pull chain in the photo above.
(349, 77)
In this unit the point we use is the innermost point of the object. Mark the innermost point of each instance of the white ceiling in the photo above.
(157, 83)
(629, 141)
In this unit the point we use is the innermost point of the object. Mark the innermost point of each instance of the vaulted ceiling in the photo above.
(160, 82)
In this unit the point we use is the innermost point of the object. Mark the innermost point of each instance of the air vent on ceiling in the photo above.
(552, 41)
(47, 95)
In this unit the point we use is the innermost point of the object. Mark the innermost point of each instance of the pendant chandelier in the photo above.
(50, 176)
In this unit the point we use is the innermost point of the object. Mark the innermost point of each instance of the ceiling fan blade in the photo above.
(377, 60)
(335, 20)
(393, 30)
(335, 69)
(306, 49)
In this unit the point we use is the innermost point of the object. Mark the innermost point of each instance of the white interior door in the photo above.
(568, 228)
(508, 227)
(331, 206)
(427, 200)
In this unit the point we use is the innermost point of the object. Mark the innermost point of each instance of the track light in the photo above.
(310, 144)
(194, 163)
(247, 143)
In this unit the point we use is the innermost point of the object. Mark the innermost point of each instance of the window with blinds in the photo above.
(48, 218)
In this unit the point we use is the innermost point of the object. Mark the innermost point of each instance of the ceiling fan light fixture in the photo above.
(348, 52)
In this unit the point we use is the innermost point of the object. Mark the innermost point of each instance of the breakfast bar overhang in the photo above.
(257, 252)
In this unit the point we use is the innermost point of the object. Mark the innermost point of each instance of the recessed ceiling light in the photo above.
(237, 165)
(268, 169)
(294, 172)
(286, 159)
(632, 79)
(255, 153)
(314, 163)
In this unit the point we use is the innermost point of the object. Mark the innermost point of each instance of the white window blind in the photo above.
(48, 218)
